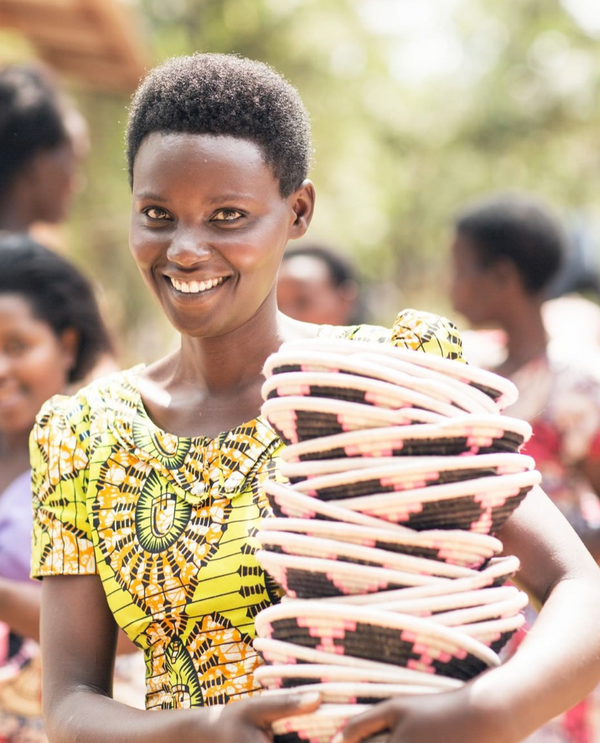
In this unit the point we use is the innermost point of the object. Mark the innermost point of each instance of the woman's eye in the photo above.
(227, 215)
(154, 212)
(15, 347)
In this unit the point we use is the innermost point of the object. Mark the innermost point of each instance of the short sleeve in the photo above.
(61, 540)
(423, 331)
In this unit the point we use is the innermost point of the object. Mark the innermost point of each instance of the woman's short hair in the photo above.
(518, 228)
(340, 269)
(229, 95)
(58, 295)
(32, 118)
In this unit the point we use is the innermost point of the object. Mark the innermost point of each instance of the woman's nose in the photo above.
(189, 247)
(5, 365)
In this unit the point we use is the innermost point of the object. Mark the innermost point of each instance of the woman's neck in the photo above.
(527, 337)
(14, 458)
(213, 384)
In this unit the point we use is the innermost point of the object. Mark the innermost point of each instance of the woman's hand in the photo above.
(445, 717)
(250, 721)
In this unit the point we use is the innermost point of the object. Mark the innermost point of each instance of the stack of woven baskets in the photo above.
(400, 470)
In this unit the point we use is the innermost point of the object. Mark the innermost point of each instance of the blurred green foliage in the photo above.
(397, 151)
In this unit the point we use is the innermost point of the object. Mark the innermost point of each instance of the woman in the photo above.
(51, 335)
(506, 252)
(319, 285)
(42, 140)
(148, 484)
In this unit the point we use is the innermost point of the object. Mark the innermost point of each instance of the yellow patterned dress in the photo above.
(168, 523)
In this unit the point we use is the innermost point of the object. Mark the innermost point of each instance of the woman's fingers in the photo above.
(264, 710)
(380, 717)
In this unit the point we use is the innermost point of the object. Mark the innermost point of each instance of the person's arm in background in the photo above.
(590, 534)
(557, 664)
(78, 648)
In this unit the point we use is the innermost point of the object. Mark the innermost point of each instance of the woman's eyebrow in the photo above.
(148, 195)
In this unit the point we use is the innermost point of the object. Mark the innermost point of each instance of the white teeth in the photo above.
(196, 287)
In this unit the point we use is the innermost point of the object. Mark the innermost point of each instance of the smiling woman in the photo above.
(148, 484)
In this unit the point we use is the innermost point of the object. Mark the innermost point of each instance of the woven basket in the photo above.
(313, 577)
(357, 389)
(300, 660)
(387, 637)
(299, 419)
(330, 549)
(320, 726)
(467, 549)
(447, 437)
(496, 573)
(481, 505)
(408, 473)
(427, 381)
(501, 390)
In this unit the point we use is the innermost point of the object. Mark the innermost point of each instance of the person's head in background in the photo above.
(318, 285)
(505, 252)
(51, 332)
(42, 140)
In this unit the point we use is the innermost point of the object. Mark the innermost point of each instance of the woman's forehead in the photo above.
(176, 154)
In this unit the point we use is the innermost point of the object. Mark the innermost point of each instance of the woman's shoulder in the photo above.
(113, 393)
(412, 329)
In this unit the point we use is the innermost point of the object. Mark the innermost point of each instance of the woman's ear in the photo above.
(69, 340)
(303, 206)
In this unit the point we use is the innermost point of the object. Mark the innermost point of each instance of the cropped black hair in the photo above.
(32, 118)
(518, 228)
(340, 269)
(58, 295)
(230, 95)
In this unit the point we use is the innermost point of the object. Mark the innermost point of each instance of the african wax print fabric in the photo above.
(168, 523)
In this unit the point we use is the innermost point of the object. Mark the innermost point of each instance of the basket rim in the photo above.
(429, 381)
(489, 486)
(399, 675)
(311, 469)
(507, 608)
(326, 508)
(378, 618)
(312, 655)
(416, 466)
(455, 368)
(449, 537)
(497, 568)
(294, 403)
(364, 384)
(449, 428)
(451, 601)
(271, 560)
(392, 560)
(354, 689)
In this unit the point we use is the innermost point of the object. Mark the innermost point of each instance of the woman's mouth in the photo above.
(196, 287)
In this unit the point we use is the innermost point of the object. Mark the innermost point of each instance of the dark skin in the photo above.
(496, 295)
(212, 384)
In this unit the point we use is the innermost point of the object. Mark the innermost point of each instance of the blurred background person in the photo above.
(43, 140)
(506, 250)
(51, 337)
(319, 285)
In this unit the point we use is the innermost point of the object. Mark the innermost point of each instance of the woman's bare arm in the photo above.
(556, 665)
(20, 607)
(79, 636)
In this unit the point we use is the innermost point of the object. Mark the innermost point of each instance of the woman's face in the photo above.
(34, 364)
(209, 227)
(474, 290)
